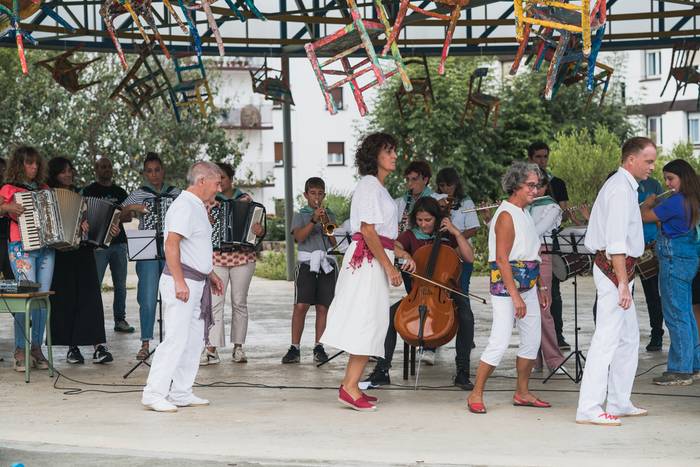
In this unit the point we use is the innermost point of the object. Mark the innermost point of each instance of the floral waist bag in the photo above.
(525, 274)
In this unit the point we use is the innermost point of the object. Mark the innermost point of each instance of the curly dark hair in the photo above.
(369, 149)
(429, 205)
(227, 169)
(152, 157)
(15, 173)
(56, 166)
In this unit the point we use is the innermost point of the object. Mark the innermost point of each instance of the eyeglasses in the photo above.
(533, 186)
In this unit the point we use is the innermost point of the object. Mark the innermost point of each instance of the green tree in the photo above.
(81, 126)
(480, 152)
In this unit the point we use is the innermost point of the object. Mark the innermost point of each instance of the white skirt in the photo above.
(358, 317)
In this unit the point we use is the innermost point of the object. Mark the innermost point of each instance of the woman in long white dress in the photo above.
(358, 317)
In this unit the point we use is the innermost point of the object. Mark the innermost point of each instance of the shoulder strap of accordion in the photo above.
(148, 189)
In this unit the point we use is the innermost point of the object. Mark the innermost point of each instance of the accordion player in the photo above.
(102, 215)
(232, 226)
(156, 208)
(51, 218)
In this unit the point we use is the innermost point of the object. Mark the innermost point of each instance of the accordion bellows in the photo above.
(51, 218)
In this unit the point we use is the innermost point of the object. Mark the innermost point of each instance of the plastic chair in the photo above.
(339, 46)
(476, 97)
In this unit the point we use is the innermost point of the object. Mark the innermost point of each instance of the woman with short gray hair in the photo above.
(514, 262)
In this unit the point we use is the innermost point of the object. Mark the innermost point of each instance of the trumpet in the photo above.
(327, 227)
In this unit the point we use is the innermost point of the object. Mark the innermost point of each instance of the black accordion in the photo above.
(156, 208)
(232, 224)
(51, 218)
(101, 216)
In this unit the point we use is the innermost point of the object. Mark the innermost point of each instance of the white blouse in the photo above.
(526, 244)
(372, 204)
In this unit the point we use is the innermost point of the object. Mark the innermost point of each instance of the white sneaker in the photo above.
(192, 401)
(604, 419)
(161, 406)
(239, 355)
(204, 358)
(428, 357)
(635, 412)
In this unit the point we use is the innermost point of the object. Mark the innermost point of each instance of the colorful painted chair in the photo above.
(422, 86)
(192, 88)
(454, 7)
(67, 73)
(683, 70)
(573, 16)
(272, 84)
(476, 98)
(602, 74)
(339, 46)
(111, 9)
(144, 83)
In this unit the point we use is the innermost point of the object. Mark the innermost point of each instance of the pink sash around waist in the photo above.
(362, 250)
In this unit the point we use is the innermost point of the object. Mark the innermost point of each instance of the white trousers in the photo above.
(176, 359)
(504, 320)
(611, 362)
(239, 278)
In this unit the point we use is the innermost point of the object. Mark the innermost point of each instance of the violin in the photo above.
(427, 316)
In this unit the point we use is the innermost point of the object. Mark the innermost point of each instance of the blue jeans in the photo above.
(147, 294)
(678, 263)
(467, 269)
(35, 266)
(116, 257)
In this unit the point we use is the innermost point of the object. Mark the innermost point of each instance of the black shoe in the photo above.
(74, 356)
(378, 377)
(320, 354)
(655, 344)
(462, 380)
(101, 355)
(293, 355)
(563, 345)
(123, 326)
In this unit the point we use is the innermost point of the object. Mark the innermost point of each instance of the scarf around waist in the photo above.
(205, 301)
(362, 250)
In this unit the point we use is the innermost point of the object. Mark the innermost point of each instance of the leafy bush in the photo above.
(272, 265)
(275, 229)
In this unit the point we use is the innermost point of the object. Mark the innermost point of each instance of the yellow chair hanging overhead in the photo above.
(574, 16)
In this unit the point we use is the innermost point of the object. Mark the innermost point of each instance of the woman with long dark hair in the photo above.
(676, 249)
(77, 314)
(358, 318)
(26, 171)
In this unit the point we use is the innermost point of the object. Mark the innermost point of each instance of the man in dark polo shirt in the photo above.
(538, 153)
(115, 256)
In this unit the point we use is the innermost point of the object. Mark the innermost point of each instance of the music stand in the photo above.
(146, 245)
(573, 244)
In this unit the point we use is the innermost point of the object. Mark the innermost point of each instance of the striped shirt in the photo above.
(145, 192)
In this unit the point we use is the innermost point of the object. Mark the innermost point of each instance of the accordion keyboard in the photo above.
(28, 222)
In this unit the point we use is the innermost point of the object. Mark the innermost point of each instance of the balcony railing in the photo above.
(248, 117)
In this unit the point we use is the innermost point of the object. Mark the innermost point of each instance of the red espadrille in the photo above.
(361, 404)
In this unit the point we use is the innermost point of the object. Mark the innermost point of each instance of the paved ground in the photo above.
(263, 413)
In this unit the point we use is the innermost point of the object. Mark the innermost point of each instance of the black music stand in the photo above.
(575, 244)
(146, 245)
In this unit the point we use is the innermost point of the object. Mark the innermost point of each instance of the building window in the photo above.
(336, 153)
(279, 155)
(655, 129)
(337, 95)
(652, 64)
(694, 128)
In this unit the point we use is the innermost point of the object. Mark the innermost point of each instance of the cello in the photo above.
(427, 316)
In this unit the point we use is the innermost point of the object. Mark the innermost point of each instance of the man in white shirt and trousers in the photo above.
(615, 234)
(185, 287)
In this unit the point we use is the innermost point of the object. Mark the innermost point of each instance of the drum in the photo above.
(648, 263)
(566, 266)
